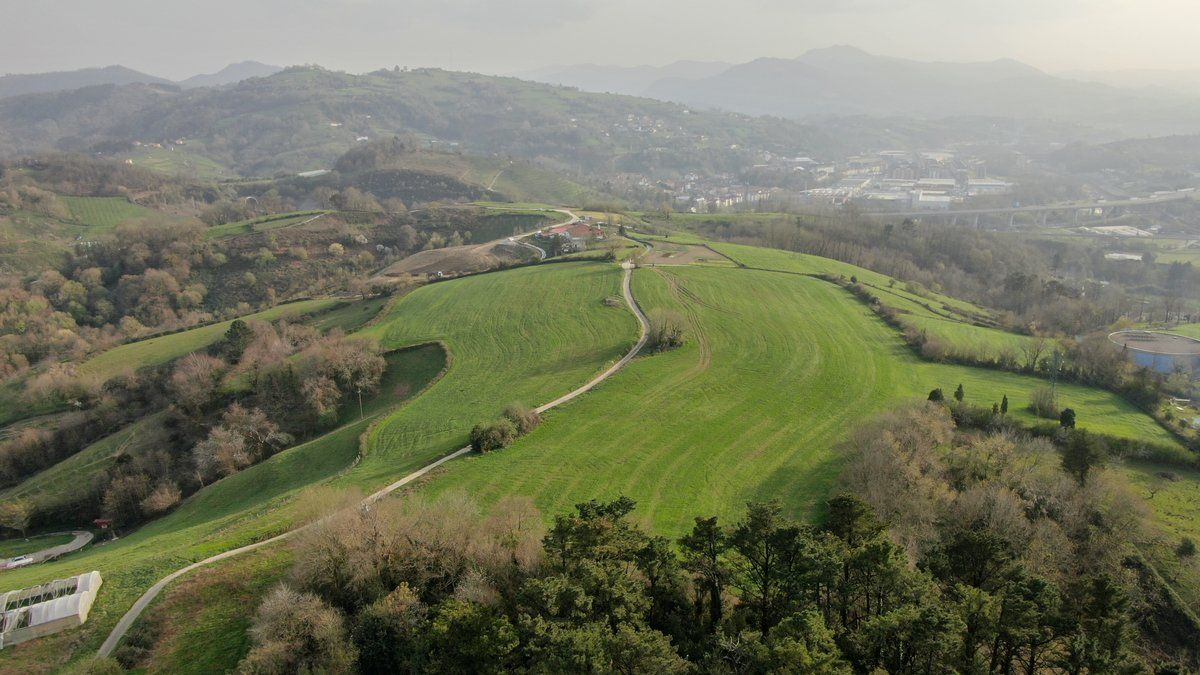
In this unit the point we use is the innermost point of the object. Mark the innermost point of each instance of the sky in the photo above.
(179, 38)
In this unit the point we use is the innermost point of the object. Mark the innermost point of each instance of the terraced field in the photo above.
(260, 224)
(776, 369)
(529, 334)
(57, 484)
(156, 350)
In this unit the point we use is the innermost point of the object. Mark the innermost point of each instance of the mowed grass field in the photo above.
(156, 350)
(102, 214)
(530, 334)
(951, 320)
(14, 547)
(260, 224)
(527, 335)
(776, 370)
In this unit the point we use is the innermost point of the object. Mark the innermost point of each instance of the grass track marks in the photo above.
(795, 362)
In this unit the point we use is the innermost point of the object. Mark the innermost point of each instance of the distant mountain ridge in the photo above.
(633, 81)
(231, 74)
(44, 83)
(48, 83)
(847, 81)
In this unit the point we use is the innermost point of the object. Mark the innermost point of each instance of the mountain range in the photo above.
(44, 83)
(841, 81)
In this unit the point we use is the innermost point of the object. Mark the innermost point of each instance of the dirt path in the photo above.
(127, 621)
(468, 258)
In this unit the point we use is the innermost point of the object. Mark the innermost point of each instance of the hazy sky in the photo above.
(177, 38)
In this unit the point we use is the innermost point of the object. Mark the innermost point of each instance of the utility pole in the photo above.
(1056, 361)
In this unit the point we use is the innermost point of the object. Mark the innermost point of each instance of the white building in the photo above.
(987, 186)
(933, 201)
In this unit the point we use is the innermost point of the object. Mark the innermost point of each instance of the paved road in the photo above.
(126, 621)
(81, 539)
(571, 220)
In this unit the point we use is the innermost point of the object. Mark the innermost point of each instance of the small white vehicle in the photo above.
(19, 561)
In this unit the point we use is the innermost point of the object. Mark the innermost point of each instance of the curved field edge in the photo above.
(163, 348)
(562, 334)
(250, 505)
(775, 370)
(496, 335)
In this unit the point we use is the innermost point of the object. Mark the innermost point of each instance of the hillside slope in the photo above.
(304, 118)
(776, 370)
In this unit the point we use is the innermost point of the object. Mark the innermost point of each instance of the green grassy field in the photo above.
(260, 224)
(777, 367)
(187, 161)
(1174, 498)
(156, 350)
(200, 624)
(949, 319)
(349, 317)
(102, 214)
(1190, 255)
(530, 333)
(1188, 329)
(55, 485)
(14, 547)
(561, 333)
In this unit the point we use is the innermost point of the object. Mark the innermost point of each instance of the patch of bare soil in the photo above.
(680, 254)
(459, 260)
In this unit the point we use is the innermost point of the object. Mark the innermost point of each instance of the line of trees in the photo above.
(949, 551)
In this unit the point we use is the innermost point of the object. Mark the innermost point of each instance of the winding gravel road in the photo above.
(127, 621)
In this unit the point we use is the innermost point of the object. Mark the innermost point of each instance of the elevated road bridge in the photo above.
(1068, 211)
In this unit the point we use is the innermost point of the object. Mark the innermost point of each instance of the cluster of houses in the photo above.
(572, 237)
(902, 180)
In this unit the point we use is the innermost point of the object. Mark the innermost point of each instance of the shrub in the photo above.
(666, 330)
(1186, 548)
(937, 396)
(165, 496)
(524, 418)
(1067, 418)
(298, 632)
(1043, 402)
(493, 436)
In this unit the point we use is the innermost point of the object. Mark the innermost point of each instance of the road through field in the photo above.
(128, 619)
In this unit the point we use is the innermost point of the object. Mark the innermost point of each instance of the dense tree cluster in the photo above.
(517, 420)
(951, 551)
(436, 587)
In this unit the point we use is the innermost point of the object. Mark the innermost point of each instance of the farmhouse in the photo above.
(577, 235)
(43, 610)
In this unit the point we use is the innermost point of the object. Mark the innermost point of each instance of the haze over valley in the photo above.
(598, 337)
